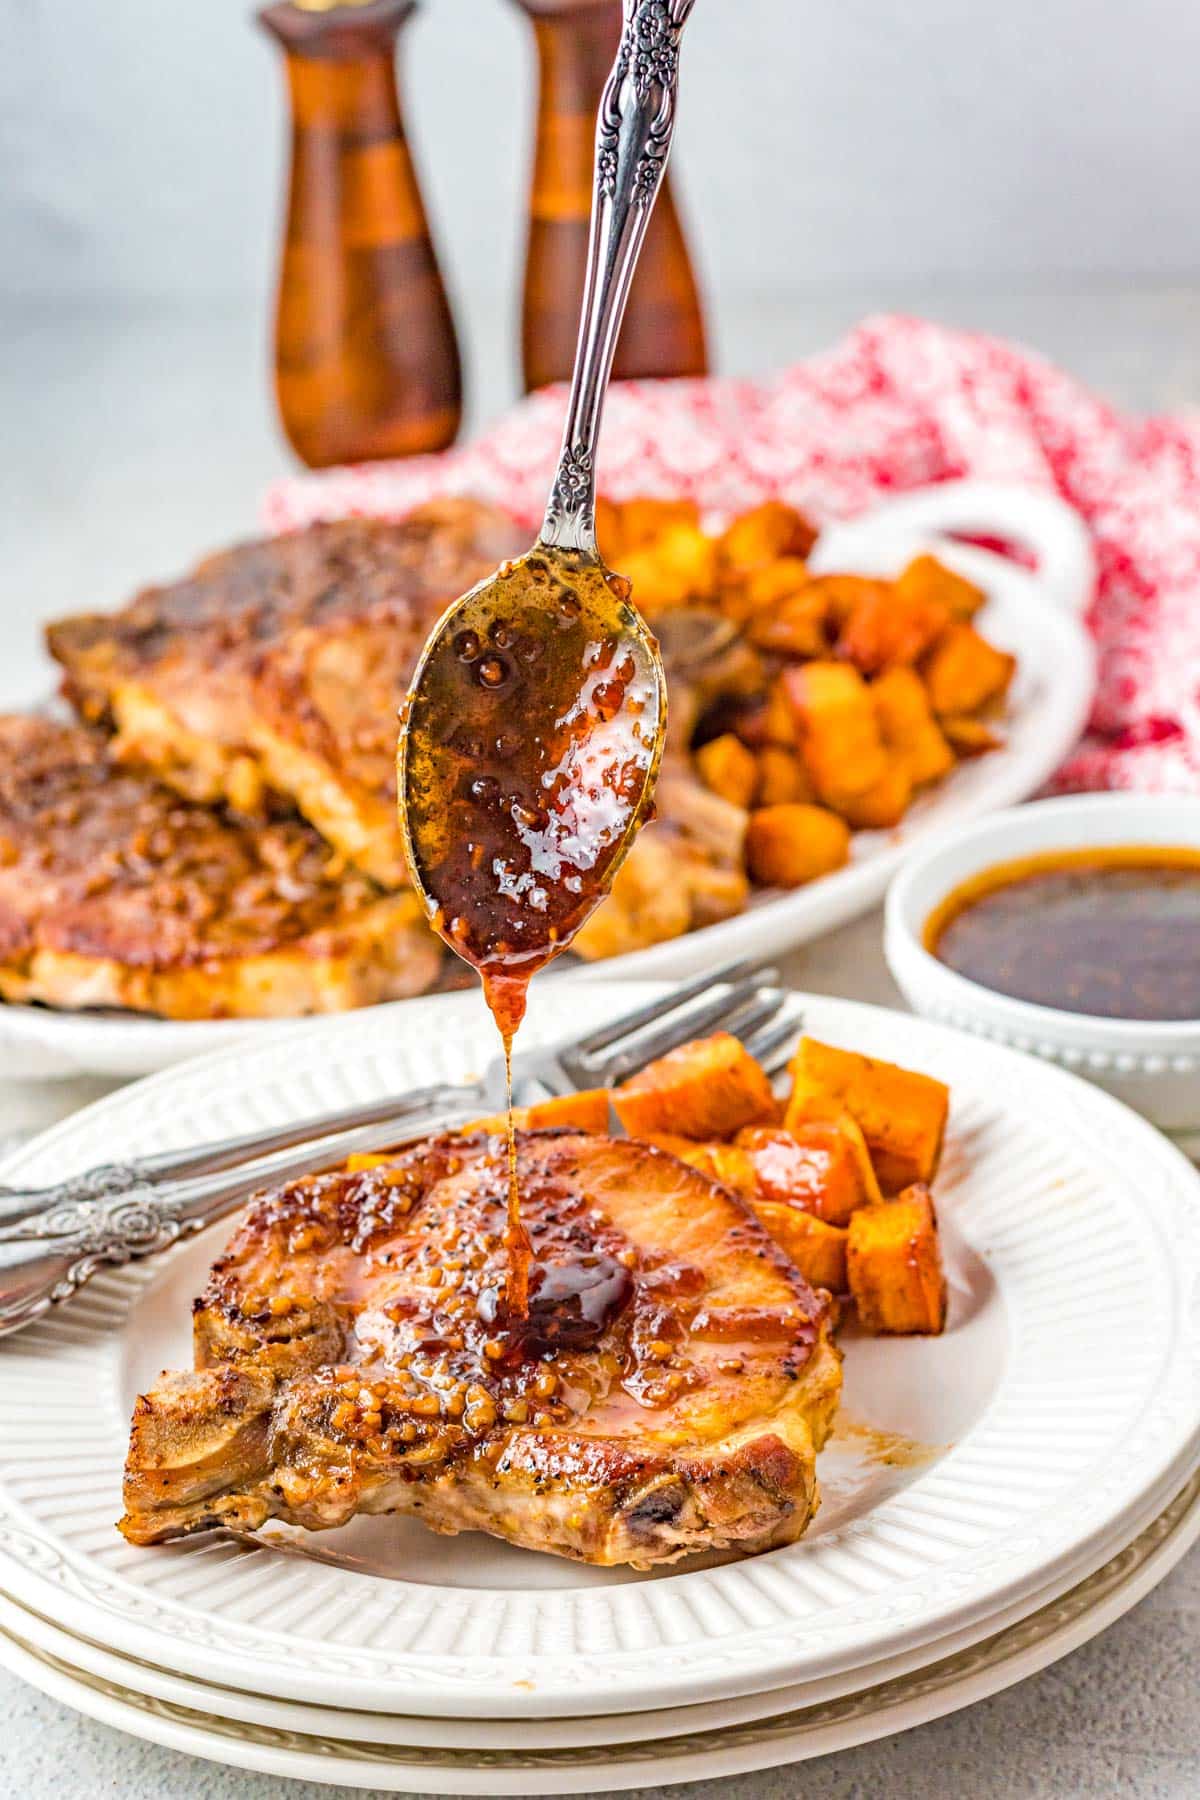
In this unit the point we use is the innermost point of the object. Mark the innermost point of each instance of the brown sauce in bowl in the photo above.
(1112, 932)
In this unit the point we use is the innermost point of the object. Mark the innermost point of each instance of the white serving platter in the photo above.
(1037, 615)
(1065, 1392)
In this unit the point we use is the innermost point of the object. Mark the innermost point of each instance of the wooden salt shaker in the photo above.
(663, 332)
(366, 359)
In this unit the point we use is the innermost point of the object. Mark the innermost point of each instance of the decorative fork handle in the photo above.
(48, 1255)
(634, 128)
(61, 1249)
(51, 1250)
(19, 1205)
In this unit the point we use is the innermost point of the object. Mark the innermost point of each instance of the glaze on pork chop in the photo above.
(668, 1393)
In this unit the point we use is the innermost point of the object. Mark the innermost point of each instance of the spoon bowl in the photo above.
(533, 733)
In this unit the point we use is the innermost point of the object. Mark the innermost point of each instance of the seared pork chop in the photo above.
(667, 1393)
(116, 892)
(276, 668)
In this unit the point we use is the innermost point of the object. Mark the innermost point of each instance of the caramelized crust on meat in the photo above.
(276, 668)
(115, 892)
(668, 1393)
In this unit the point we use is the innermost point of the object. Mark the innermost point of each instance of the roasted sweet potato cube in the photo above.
(774, 722)
(671, 570)
(743, 593)
(794, 626)
(686, 1149)
(842, 593)
(726, 766)
(880, 807)
(822, 1167)
(911, 733)
(769, 583)
(793, 843)
(706, 1089)
(645, 519)
(782, 777)
(894, 1265)
(883, 630)
(964, 672)
(764, 534)
(655, 587)
(692, 555)
(817, 1249)
(836, 728)
(926, 579)
(902, 1113)
(969, 737)
(732, 1167)
(585, 1111)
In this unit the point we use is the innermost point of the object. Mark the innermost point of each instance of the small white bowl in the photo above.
(1154, 1067)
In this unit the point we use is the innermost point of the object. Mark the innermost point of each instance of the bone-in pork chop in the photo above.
(667, 1392)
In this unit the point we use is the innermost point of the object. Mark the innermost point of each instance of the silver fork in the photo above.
(54, 1239)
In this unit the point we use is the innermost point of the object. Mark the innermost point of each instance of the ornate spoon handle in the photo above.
(634, 128)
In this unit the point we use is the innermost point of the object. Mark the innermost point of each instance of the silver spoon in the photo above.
(534, 725)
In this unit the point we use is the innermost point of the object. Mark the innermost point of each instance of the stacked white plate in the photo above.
(991, 1498)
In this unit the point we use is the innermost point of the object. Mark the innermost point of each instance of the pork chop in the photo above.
(666, 1394)
(277, 667)
(116, 892)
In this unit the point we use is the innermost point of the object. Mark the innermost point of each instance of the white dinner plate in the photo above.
(1067, 1387)
(928, 1692)
(411, 1731)
(1036, 615)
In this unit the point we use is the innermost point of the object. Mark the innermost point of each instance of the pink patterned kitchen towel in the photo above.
(899, 403)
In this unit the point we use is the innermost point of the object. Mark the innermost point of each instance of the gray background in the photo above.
(1026, 168)
(822, 143)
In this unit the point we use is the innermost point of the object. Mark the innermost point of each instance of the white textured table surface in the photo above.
(137, 442)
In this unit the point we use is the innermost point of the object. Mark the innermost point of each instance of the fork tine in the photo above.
(765, 1045)
(634, 1051)
(757, 1012)
(596, 1041)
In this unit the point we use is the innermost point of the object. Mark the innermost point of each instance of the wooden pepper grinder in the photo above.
(366, 360)
(663, 332)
